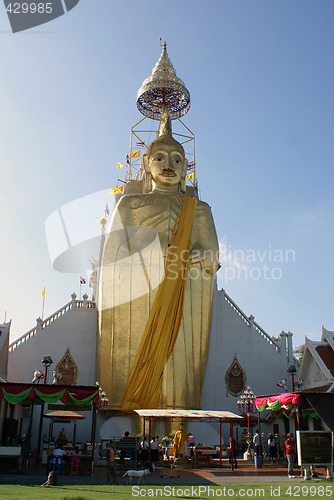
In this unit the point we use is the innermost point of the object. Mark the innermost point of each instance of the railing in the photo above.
(250, 321)
(41, 324)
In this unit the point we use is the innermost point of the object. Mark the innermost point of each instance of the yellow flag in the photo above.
(43, 293)
(119, 165)
(190, 176)
(119, 189)
(102, 220)
(135, 154)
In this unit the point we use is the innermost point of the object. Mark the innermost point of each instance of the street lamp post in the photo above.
(46, 361)
(246, 407)
(292, 371)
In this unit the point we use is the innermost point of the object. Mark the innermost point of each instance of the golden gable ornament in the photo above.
(235, 378)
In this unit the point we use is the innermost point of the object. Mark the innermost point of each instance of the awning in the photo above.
(279, 404)
(227, 416)
(63, 416)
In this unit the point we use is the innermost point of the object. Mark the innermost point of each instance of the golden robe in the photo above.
(132, 268)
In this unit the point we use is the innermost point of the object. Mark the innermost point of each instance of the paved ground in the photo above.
(267, 474)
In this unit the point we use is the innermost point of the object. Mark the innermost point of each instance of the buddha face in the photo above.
(166, 165)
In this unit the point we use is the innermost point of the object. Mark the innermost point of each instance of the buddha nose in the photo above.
(170, 161)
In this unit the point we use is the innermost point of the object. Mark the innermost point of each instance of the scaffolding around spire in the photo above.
(163, 97)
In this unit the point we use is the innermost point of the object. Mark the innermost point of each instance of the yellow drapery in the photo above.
(144, 383)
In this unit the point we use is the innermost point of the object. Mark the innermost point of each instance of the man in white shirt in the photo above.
(58, 452)
(257, 442)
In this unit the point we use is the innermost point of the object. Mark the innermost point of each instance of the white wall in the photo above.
(76, 329)
(263, 365)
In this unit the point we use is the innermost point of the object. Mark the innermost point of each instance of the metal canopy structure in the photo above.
(199, 415)
(65, 417)
(225, 416)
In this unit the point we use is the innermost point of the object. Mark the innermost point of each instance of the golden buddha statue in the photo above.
(180, 442)
(135, 265)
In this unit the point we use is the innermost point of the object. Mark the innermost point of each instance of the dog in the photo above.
(136, 473)
(51, 480)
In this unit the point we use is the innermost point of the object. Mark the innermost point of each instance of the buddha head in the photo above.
(165, 161)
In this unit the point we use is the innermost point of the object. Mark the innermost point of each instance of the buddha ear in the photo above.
(184, 167)
(145, 162)
(183, 176)
(147, 175)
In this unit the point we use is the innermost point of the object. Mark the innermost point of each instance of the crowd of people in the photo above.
(183, 446)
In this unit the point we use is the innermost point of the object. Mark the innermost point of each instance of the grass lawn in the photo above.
(284, 490)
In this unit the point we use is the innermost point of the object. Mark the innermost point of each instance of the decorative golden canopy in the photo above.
(163, 87)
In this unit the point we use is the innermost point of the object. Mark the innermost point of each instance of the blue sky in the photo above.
(260, 75)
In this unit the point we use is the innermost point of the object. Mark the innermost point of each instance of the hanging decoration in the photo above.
(29, 393)
(279, 404)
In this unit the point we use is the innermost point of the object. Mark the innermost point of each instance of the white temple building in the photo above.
(240, 354)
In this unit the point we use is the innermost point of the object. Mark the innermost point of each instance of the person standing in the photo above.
(110, 457)
(233, 450)
(154, 445)
(290, 450)
(272, 448)
(257, 442)
(144, 450)
(126, 435)
(191, 443)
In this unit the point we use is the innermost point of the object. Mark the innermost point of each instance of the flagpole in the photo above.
(43, 302)
(80, 288)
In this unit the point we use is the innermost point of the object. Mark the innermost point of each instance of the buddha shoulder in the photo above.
(130, 202)
(203, 205)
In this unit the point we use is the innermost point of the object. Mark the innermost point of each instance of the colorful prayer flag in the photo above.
(191, 176)
(127, 160)
(119, 165)
(82, 281)
(43, 293)
(140, 144)
(106, 210)
(135, 154)
(191, 165)
(116, 190)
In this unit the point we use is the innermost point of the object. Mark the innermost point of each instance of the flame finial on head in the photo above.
(165, 127)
